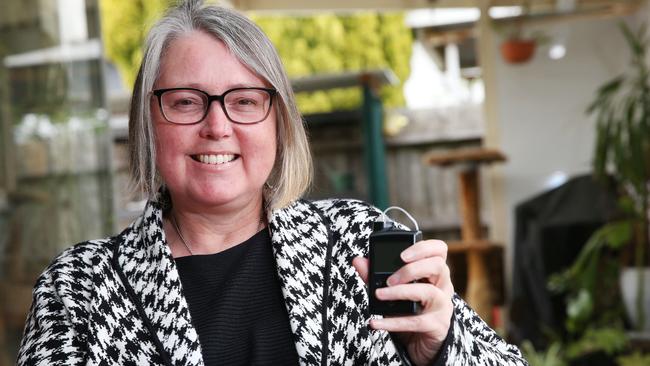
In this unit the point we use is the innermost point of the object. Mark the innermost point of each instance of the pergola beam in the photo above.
(442, 34)
(394, 5)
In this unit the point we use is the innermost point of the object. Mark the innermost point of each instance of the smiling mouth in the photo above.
(214, 159)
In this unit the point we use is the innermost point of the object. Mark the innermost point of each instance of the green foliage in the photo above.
(328, 43)
(594, 311)
(552, 356)
(324, 43)
(590, 316)
(635, 359)
(124, 26)
(622, 111)
(609, 340)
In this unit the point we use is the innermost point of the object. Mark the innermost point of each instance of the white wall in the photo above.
(542, 125)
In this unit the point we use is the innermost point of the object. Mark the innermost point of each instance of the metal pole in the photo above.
(374, 149)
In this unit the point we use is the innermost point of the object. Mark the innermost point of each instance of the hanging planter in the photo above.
(517, 51)
(519, 43)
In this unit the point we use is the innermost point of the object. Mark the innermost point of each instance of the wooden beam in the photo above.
(7, 150)
(598, 12)
(438, 35)
(487, 55)
(375, 77)
(393, 5)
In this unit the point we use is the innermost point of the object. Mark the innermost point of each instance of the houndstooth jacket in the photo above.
(119, 301)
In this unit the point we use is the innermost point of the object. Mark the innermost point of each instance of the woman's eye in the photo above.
(247, 102)
(184, 102)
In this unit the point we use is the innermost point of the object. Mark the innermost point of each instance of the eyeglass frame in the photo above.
(211, 98)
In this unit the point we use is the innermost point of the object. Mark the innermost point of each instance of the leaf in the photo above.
(602, 148)
(553, 356)
(610, 340)
(617, 234)
(626, 205)
(633, 40)
(604, 94)
(635, 359)
(579, 308)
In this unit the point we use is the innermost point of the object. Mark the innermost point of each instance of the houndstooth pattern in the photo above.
(119, 300)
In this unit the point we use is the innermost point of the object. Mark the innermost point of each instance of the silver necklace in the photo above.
(180, 234)
(178, 231)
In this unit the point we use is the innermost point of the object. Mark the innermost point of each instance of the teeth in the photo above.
(216, 159)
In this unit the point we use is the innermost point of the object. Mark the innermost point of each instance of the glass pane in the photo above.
(55, 186)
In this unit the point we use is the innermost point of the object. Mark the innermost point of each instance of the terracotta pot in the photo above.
(516, 51)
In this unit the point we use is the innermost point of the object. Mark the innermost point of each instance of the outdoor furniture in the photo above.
(472, 243)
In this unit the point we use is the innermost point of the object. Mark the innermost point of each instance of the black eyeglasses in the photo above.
(187, 106)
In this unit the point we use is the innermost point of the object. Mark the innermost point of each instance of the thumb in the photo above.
(361, 265)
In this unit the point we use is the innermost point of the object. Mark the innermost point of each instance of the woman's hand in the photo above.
(424, 333)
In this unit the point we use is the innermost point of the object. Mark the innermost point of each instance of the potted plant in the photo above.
(622, 111)
(518, 46)
(599, 277)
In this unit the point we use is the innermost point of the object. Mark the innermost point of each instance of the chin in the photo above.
(217, 196)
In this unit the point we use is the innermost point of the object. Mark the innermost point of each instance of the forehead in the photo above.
(200, 60)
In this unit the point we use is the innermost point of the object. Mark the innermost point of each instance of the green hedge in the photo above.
(328, 43)
(324, 43)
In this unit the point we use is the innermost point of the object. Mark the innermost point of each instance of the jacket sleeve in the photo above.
(472, 342)
(49, 337)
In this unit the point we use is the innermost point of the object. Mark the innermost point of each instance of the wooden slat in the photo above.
(461, 156)
(347, 5)
(479, 245)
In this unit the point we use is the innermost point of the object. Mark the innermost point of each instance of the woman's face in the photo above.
(194, 160)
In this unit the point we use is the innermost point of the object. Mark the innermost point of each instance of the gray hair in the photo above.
(292, 172)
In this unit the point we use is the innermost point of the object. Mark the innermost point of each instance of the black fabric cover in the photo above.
(236, 304)
(550, 231)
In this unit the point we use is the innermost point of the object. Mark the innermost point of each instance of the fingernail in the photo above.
(393, 280)
(406, 255)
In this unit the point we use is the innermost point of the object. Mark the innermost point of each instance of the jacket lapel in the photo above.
(300, 240)
(150, 270)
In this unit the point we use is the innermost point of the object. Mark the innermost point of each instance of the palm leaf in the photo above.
(633, 40)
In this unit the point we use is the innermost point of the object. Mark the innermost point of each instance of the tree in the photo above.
(327, 43)
(323, 43)
(124, 26)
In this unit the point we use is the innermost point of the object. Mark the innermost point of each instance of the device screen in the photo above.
(386, 254)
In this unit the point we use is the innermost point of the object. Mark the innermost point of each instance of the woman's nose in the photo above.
(216, 124)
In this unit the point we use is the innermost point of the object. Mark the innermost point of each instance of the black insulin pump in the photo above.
(385, 245)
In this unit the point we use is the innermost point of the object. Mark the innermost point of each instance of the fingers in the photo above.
(361, 265)
(437, 323)
(424, 293)
(424, 259)
(424, 249)
(436, 308)
(433, 269)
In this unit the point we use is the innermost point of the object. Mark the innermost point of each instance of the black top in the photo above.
(236, 305)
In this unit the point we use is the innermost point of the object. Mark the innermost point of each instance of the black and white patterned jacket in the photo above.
(119, 301)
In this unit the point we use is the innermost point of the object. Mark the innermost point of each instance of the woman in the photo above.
(227, 264)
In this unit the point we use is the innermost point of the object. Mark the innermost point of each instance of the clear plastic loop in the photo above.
(417, 228)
